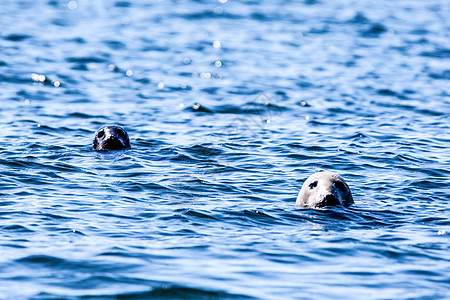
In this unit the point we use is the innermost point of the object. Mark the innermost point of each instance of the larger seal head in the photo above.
(324, 189)
(111, 137)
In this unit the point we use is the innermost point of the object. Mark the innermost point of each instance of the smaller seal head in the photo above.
(324, 189)
(111, 138)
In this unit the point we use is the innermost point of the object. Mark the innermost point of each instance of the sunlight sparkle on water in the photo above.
(38, 77)
(72, 5)
(206, 75)
(112, 67)
(186, 60)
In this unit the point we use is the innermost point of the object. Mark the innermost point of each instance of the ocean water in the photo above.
(230, 106)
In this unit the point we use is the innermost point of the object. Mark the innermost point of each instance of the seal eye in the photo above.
(313, 184)
(101, 134)
(340, 185)
(121, 133)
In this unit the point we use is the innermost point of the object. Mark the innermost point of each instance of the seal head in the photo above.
(111, 137)
(324, 189)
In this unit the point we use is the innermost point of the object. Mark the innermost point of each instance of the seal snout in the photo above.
(113, 142)
(330, 200)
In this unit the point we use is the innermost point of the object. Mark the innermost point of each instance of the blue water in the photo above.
(230, 106)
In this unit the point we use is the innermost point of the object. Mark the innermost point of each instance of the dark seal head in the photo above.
(324, 189)
(111, 138)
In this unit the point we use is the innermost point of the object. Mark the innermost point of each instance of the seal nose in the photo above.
(113, 142)
(330, 200)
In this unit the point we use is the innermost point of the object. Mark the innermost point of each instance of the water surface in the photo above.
(230, 106)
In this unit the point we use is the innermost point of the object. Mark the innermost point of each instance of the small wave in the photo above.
(176, 292)
(374, 31)
(442, 53)
(17, 37)
(444, 75)
(16, 228)
(359, 18)
(86, 59)
(249, 108)
(197, 107)
(210, 14)
(123, 4)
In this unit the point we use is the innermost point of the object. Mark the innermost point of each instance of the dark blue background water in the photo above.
(230, 105)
